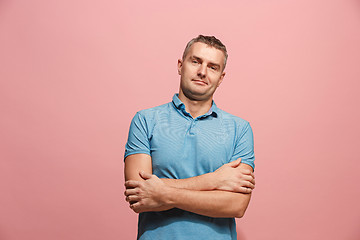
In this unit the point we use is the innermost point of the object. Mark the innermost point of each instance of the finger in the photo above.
(249, 185)
(252, 181)
(246, 177)
(132, 184)
(132, 198)
(235, 163)
(244, 190)
(131, 191)
(249, 178)
(135, 207)
(245, 171)
(145, 175)
(251, 173)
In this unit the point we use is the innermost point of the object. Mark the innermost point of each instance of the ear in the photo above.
(221, 78)
(179, 65)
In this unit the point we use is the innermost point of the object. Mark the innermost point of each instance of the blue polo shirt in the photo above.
(182, 147)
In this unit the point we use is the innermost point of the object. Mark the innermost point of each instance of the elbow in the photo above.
(240, 213)
(240, 207)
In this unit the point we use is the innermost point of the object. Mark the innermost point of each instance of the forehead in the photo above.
(206, 53)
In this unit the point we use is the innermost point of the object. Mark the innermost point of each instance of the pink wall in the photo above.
(73, 73)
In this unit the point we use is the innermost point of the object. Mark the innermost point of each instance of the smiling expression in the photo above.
(201, 72)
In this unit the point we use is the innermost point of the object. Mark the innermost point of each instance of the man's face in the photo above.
(201, 71)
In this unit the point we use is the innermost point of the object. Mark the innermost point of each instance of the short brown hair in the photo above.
(209, 40)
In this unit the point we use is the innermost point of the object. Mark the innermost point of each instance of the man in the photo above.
(188, 164)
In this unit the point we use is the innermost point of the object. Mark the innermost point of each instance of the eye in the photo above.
(213, 68)
(194, 61)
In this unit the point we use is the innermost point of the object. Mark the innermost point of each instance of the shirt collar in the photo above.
(181, 106)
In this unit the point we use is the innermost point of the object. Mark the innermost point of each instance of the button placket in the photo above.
(192, 127)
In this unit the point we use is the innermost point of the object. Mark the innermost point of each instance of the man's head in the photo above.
(201, 68)
(210, 41)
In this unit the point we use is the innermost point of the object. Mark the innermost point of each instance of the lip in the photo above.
(201, 82)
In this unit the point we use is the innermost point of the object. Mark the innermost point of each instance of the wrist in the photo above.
(212, 180)
(168, 198)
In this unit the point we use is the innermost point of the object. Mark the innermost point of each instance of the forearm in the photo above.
(203, 182)
(208, 203)
(223, 193)
(232, 177)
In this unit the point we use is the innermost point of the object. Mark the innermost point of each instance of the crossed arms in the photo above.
(223, 193)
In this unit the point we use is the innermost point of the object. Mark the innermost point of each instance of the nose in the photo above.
(202, 71)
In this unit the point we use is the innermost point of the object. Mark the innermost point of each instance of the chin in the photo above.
(197, 96)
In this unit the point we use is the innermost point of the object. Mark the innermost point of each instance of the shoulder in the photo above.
(146, 119)
(151, 112)
(230, 118)
(150, 115)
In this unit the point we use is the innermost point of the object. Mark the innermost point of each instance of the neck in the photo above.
(196, 107)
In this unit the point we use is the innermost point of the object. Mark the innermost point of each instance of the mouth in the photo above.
(200, 82)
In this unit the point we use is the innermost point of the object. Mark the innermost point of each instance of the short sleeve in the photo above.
(244, 147)
(138, 141)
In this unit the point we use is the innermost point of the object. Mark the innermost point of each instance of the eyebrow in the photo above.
(211, 63)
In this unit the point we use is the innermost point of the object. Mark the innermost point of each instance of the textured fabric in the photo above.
(183, 147)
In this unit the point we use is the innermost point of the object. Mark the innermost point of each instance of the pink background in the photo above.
(73, 74)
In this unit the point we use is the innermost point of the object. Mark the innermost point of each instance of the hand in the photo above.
(234, 178)
(148, 195)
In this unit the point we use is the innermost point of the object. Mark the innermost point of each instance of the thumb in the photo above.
(235, 163)
(145, 175)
